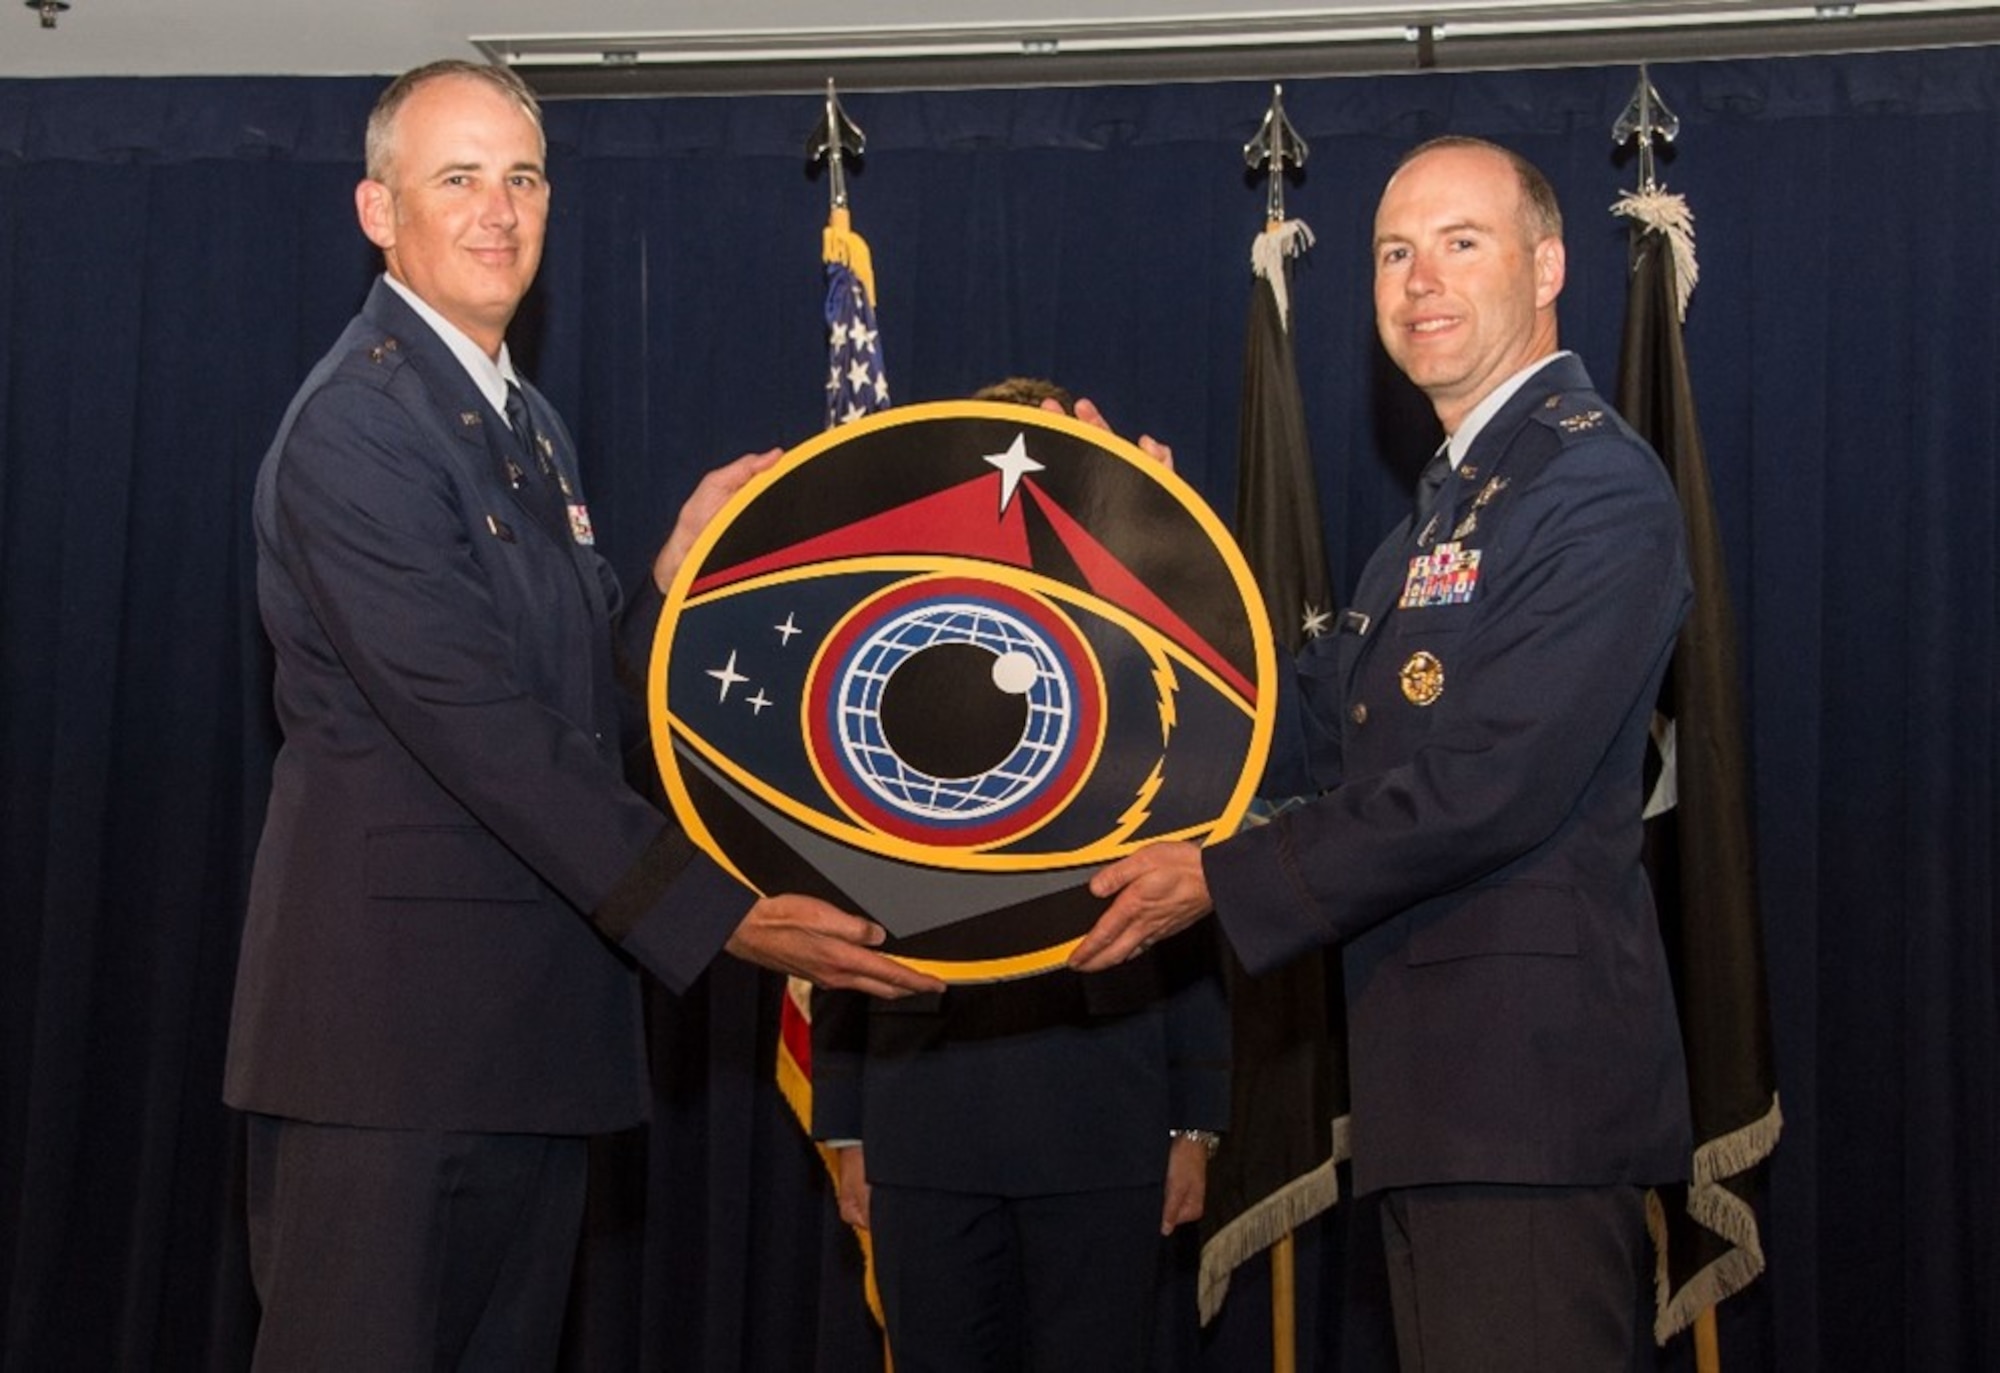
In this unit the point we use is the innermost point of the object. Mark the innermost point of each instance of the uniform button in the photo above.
(1358, 712)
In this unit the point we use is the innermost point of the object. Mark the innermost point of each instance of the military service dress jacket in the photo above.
(1480, 720)
(453, 881)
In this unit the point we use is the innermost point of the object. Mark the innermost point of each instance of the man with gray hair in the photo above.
(437, 1002)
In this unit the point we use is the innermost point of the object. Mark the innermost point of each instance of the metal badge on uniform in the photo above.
(1581, 423)
(579, 524)
(501, 529)
(1485, 497)
(1447, 575)
(1422, 678)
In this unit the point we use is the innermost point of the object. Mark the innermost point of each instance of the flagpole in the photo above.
(856, 385)
(1698, 837)
(1284, 1305)
(1275, 147)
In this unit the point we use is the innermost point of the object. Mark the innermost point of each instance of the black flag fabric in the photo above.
(1288, 1126)
(1698, 837)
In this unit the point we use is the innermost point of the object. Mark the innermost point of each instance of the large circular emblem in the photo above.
(939, 665)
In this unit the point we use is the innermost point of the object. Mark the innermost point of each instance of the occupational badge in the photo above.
(1423, 678)
(939, 665)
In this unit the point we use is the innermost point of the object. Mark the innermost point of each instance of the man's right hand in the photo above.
(802, 936)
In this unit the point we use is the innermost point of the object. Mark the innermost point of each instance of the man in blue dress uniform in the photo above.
(1477, 732)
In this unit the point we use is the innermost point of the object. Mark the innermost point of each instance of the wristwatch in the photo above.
(1207, 1139)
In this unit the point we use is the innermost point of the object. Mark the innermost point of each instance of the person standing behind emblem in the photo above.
(1515, 1058)
(436, 1000)
(1018, 1150)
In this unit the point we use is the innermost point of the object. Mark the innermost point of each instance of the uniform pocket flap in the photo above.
(1520, 918)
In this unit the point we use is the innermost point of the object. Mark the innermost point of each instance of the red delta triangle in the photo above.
(958, 521)
(1113, 581)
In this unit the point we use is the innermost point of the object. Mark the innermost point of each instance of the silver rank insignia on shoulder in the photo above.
(1582, 422)
(1447, 575)
(1422, 678)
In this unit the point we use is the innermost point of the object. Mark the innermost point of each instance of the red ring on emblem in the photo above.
(1037, 775)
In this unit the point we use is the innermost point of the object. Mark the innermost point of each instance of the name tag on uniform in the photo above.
(1447, 575)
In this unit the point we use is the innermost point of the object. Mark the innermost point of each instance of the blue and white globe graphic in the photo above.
(1024, 664)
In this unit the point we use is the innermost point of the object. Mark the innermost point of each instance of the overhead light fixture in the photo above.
(48, 9)
(1462, 34)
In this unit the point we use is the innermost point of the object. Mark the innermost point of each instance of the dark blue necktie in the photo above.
(1436, 472)
(518, 421)
(536, 473)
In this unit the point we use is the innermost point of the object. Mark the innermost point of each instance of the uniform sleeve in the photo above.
(839, 1043)
(1198, 1034)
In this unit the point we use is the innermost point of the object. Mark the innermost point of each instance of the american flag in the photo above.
(856, 385)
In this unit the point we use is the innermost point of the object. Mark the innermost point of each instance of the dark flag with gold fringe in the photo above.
(1275, 1169)
(1698, 833)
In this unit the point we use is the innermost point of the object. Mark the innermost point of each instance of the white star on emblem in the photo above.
(787, 629)
(727, 675)
(1316, 621)
(758, 702)
(1014, 464)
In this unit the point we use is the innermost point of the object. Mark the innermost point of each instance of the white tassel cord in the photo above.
(1267, 259)
(1667, 214)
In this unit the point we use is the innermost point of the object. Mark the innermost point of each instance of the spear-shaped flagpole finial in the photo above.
(1276, 146)
(1646, 118)
(833, 141)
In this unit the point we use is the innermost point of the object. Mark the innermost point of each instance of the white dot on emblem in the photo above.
(1014, 673)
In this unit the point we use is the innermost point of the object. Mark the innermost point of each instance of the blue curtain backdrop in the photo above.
(175, 253)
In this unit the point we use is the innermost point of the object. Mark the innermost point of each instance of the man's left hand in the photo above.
(1187, 1183)
(714, 491)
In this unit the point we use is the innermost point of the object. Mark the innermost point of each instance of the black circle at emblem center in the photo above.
(944, 715)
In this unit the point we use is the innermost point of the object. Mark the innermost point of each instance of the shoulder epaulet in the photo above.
(1574, 414)
(374, 360)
